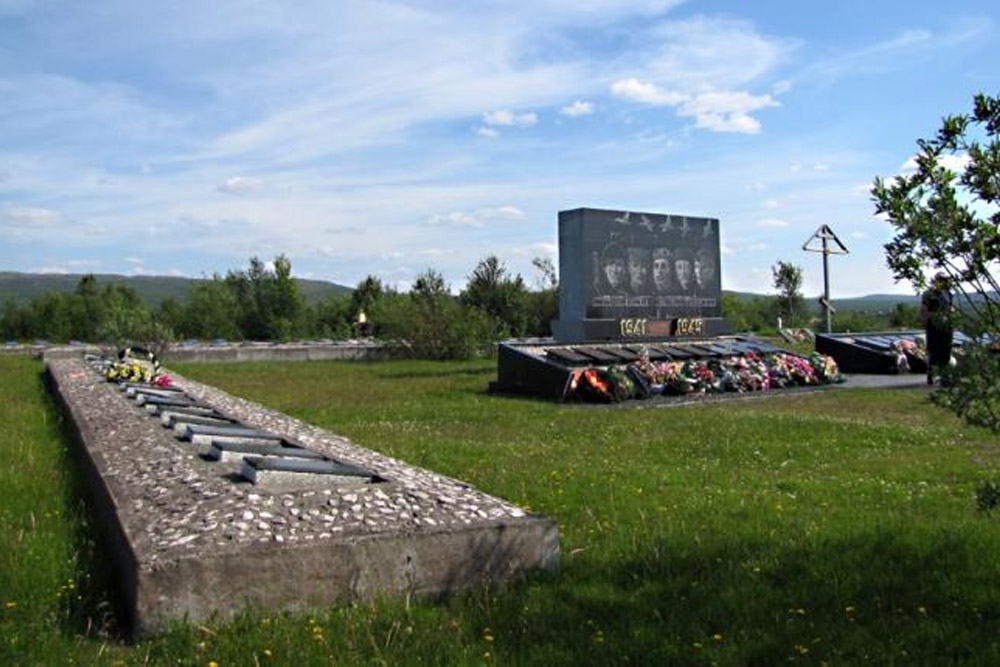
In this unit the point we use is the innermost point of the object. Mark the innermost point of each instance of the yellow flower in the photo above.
(11, 604)
(717, 637)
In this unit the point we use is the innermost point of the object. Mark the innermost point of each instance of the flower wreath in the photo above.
(135, 364)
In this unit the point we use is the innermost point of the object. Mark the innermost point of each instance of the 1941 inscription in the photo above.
(633, 326)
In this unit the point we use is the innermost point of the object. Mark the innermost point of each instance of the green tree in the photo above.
(212, 310)
(127, 320)
(88, 309)
(431, 323)
(543, 304)
(946, 221)
(502, 298)
(332, 317)
(787, 280)
(268, 300)
(14, 321)
(747, 313)
(366, 294)
(904, 316)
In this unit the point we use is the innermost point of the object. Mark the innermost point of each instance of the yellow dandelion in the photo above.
(922, 610)
(11, 604)
(717, 637)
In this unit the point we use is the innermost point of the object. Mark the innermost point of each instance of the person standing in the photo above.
(935, 313)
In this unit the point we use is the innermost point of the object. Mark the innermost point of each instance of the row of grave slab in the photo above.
(206, 503)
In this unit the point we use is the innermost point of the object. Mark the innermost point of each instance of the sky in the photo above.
(386, 138)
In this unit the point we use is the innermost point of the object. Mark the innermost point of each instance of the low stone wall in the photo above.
(236, 352)
(188, 537)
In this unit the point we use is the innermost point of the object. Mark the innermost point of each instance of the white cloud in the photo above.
(771, 204)
(19, 217)
(634, 90)
(577, 109)
(956, 162)
(508, 118)
(488, 132)
(719, 111)
(478, 218)
(726, 111)
(858, 235)
(773, 223)
(820, 166)
(241, 185)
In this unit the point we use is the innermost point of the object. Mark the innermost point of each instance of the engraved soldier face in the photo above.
(683, 269)
(661, 269)
(638, 269)
(614, 271)
(704, 268)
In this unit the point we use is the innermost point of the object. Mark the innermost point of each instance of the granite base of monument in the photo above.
(266, 512)
(880, 352)
(546, 368)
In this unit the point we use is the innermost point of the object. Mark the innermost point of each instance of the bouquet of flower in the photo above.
(751, 373)
(704, 378)
(623, 386)
(675, 380)
(649, 369)
(801, 370)
(128, 371)
(825, 368)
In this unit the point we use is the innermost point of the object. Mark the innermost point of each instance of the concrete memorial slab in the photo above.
(187, 537)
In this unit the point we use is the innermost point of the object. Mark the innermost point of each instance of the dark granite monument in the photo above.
(632, 275)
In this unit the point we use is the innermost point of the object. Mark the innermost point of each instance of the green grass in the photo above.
(837, 527)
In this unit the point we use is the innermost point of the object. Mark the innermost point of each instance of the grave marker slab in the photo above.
(288, 473)
(200, 434)
(229, 451)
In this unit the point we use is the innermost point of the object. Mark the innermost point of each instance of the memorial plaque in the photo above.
(637, 275)
(227, 451)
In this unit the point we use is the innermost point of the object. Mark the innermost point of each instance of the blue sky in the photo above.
(388, 137)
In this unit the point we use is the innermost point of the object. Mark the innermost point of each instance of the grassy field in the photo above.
(830, 528)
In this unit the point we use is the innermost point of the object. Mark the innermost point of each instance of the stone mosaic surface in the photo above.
(173, 501)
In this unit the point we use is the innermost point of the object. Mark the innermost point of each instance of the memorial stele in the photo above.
(627, 275)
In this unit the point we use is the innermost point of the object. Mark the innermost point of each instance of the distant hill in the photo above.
(871, 303)
(23, 287)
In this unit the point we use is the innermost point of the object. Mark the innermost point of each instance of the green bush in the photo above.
(433, 326)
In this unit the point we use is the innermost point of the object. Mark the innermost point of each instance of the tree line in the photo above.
(263, 303)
